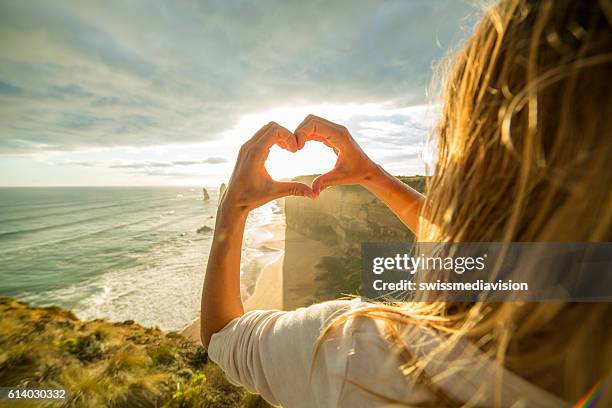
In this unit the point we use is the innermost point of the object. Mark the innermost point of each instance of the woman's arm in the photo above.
(403, 200)
(221, 301)
(355, 167)
(249, 187)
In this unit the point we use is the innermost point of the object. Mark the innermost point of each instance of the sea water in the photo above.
(114, 252)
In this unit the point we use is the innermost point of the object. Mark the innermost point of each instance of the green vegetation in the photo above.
(339, 275)
(103, 364)
(416, 182)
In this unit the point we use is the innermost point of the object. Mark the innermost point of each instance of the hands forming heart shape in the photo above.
(251, 186)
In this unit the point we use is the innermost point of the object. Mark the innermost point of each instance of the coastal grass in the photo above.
(103, 364)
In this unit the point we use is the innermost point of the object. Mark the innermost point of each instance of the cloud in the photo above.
(83, 75)
(402, 157)
(141, 165)
(210, 160)
(78, 163)
(216, 160)
(10, 89)
(68, 91)
(172, 174)
(144, 164)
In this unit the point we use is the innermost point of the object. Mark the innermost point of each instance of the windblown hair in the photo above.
(524, 148)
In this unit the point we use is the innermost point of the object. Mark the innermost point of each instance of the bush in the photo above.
(107, 364)
(86, 348)
(338, 276)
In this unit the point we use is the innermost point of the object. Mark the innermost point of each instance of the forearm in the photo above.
(403, 200)
(221, 300)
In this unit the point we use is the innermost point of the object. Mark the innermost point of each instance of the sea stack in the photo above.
(205, 194)
(204, 229)
(222, 189)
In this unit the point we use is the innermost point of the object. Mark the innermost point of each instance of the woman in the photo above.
(524, 152)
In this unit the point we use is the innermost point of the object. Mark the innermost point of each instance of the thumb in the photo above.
(292, 188)
(325, 180)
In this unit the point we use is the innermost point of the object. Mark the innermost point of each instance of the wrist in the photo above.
(232, 204)
(231, 212)
(373, 175)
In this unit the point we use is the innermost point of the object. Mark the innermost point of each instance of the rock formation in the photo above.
(222, 189)
(333, 227)
(346, 216)
(203, 229)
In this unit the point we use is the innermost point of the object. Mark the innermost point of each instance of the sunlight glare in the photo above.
(314, 158)
(291, 116)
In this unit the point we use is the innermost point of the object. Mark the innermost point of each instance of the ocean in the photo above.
(116, 252)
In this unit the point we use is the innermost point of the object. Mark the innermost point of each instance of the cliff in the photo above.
(331, 230)
(347, 216)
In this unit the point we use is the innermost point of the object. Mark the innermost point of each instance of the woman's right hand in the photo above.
(250, 185)
(353, 166)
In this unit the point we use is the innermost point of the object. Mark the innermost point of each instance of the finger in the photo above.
(277, 134)
(328, 144)
(325, 180)
(322, 140)
(316, 128)
(283, 145)
(292, 188)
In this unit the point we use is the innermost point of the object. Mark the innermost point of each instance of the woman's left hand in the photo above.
(250, 185)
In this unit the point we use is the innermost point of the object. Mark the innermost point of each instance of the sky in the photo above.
(164, 93)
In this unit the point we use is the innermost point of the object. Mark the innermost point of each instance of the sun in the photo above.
(314, 158)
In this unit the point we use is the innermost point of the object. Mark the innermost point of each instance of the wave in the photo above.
(10, 234)
(31, 217)
(148, 268)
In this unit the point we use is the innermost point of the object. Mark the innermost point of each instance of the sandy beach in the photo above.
(268, 292)
(287, 281)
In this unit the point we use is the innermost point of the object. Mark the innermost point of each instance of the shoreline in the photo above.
(287, 280)
(268, 286)
(268, 292)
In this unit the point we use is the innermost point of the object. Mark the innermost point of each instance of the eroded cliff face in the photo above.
(344, 216)
(323, 241)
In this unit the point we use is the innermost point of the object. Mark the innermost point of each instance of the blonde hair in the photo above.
(524, 154)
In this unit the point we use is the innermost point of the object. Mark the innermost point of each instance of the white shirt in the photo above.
(271, 353)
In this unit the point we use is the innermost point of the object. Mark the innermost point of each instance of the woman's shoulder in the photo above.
(348, 354)
(316, 316)
(331, 309)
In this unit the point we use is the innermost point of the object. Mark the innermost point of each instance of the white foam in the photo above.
(164, 288)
